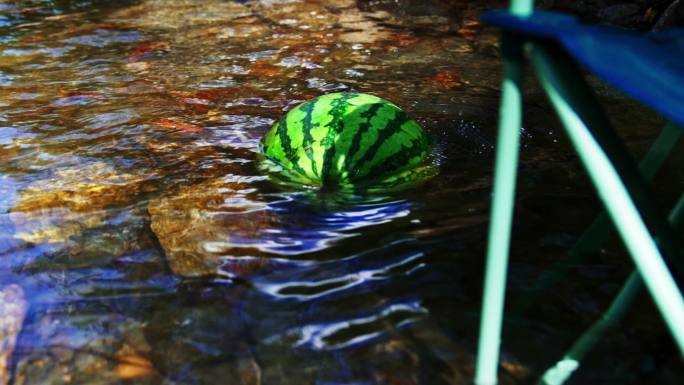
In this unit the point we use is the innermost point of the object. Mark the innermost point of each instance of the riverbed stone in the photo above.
(72, 199)
(204, 226)
(85, 350)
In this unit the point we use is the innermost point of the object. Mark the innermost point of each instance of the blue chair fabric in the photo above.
(647, 66)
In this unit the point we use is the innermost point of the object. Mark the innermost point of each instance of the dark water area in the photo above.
(144, 246)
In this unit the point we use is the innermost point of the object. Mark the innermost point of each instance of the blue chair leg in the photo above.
(599, 230)
(571, 361)
(507, 149)
(578, 110)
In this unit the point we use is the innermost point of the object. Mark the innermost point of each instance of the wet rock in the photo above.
(241, 31)
(204, 342)
(17, 57)
(13, 308)
(179, 15)
(74, 218)
(132, 365)
(84, 350)
(249, 371)
(73, 199)
(405, 361)
(175, 152)
(205, 226)
(339, 18)
(40, 370)
(396, 363)
(62, 354)
(360, 29)
(134, 336)
(139, 66)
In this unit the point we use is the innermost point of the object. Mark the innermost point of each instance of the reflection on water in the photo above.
(150, 248)
(307, 229)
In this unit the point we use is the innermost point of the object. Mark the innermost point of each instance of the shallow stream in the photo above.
(145, 247)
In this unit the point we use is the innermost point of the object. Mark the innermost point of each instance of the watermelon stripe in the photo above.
(392, 127)
(275, 149)
(322, 115)
(307, 142)
(293, 126)
(405, 138)
(271, 144)
(378, 122)
(266, 145)
(349, 140)
(404, 158)
(364, 127)
(354, 119)
(338, 125)
(290, 152)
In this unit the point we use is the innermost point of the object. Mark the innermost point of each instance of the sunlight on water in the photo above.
(323, 337)
(312, 289)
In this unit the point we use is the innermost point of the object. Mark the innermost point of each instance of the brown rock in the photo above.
(131, 364)
(71, 200)
(198, 227)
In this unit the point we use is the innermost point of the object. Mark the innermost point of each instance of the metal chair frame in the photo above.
(620, 184)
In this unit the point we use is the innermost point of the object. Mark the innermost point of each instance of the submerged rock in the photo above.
(73, 199)
(86, 350)
(205, 341)
(207, 226)
(13, 307)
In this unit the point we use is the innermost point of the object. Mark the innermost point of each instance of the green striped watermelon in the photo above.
(345, 140)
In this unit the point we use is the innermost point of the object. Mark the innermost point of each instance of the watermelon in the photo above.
(343, 140)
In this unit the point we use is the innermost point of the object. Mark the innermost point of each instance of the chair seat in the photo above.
(647, 66)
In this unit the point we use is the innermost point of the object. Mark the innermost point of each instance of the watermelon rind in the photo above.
(348, 141)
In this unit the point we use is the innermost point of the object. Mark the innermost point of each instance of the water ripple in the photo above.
(345, 333)
(304, 229)
(316, 288)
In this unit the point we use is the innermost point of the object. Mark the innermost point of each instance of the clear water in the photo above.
(152, 251)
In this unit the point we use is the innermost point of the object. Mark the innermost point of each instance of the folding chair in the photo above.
(647, 67)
